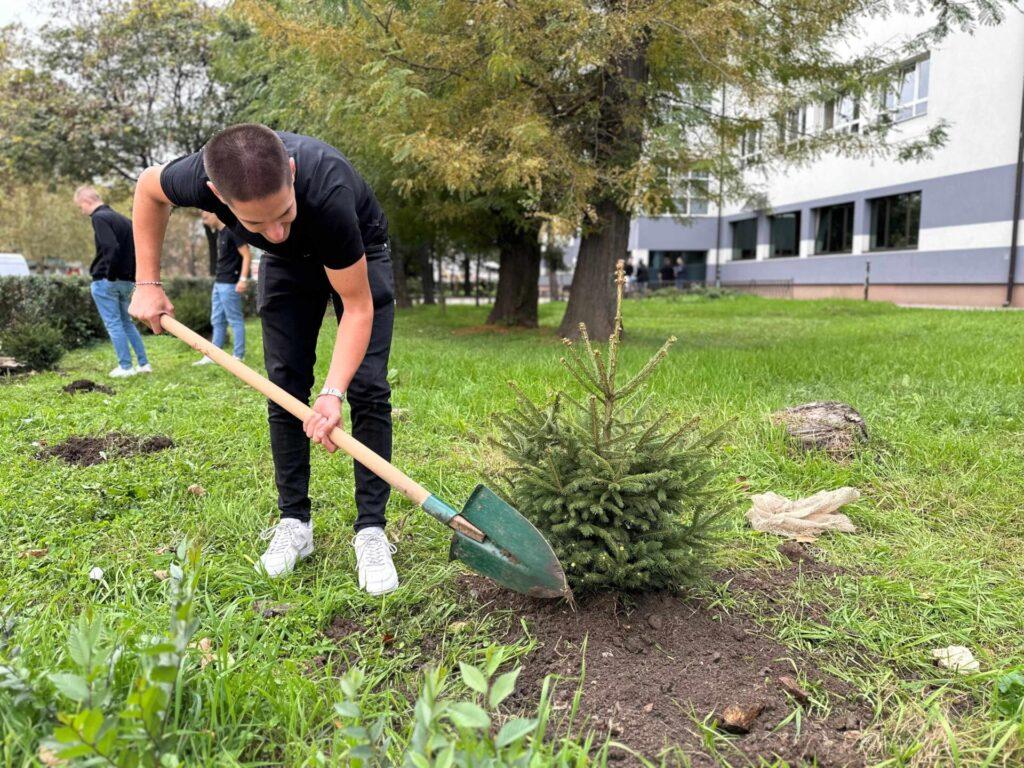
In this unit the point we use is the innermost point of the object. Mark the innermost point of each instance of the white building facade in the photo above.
(934, 231)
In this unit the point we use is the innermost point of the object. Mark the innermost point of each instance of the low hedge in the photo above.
(65, 304)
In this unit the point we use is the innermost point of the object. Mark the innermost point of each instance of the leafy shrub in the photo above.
(65, 302)
(626, 502)
(446, 731)
(35, 344)
(109, 723)
(1009, 698)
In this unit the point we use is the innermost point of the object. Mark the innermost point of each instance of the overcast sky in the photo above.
(27, 12)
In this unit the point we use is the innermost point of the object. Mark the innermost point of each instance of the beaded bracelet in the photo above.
(149, 282)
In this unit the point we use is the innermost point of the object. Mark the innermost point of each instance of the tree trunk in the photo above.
(211, 244)
(426, 268)
(467, 280)
(515, 302)
(592, 295)
(402, 300)
(618, 141)
(554, 291)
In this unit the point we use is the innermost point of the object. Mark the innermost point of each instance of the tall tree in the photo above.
(586, 113)
(109, 87)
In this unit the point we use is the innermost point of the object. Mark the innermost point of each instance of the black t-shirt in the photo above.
(229, 259)
(338, 215)
(115, 247)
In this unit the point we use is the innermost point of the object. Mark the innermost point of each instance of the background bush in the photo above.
(193, 309)
(65, 303)
(37, 345)
(62, 302)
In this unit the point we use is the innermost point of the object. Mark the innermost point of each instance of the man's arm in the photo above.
(353, 286)
(150, 213)
(243, 277)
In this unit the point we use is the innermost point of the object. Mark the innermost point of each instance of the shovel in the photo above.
(489, 536)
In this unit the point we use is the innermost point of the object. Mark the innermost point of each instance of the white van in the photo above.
(13, 264)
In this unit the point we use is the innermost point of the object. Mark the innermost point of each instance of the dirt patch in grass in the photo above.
(86, 450)
(341, 627)
(658, 665)
(85, 385)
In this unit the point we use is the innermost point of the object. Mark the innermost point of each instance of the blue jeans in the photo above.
(226, 305)
(112, 298)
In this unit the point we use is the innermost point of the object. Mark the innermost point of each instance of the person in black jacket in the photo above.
(113, 279)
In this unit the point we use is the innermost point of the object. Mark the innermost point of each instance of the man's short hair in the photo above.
(247, 162)
(86, 192)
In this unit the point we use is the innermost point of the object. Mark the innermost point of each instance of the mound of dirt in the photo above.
(86, 450)
(655, 664)
(85, 385)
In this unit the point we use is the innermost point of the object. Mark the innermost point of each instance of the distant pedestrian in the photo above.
(630, 277)
(113, 279)
(667, 273)
(229, 285)
(643, 275)
(680, 273)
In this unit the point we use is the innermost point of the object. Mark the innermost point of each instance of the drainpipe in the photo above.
(1016, 206)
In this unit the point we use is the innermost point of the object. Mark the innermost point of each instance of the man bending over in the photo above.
(326, 239)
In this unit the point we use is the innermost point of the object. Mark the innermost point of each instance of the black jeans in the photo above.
(291, 300)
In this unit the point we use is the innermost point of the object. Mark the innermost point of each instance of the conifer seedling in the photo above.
(627, 501)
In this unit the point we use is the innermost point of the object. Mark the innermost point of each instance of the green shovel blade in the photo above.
(514, 554)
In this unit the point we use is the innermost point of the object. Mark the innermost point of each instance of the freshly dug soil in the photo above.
(654, 663)
(86, 450)
(85, 385)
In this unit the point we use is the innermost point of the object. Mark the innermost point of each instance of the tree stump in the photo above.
(832, 427)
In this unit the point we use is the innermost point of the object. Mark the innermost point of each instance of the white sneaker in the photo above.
(120, 373)
(290, 540)
(147, 368)
(204, 360)
(377, 574)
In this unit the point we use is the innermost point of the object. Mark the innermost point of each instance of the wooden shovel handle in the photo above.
(368, 458)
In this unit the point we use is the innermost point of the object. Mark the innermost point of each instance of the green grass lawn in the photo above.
(937, 559)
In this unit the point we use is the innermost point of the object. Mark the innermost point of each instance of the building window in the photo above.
(693, 194)
(792, 125)
(834, 229)
(750, 146)
(908, 96)
(895, 221)
(785, 234)
(841, 115)
(744, 239)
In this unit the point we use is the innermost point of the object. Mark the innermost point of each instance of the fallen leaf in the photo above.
(161, 575)
(205, 647)
(268, 609)
(197, 490)
(740, 719)
(48, 757)
(792, 687)
(387, 638)
(162, 550)
(956, 658)
(26, 553)
(96, 573)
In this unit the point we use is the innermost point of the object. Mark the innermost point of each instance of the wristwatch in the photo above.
(340, 394)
